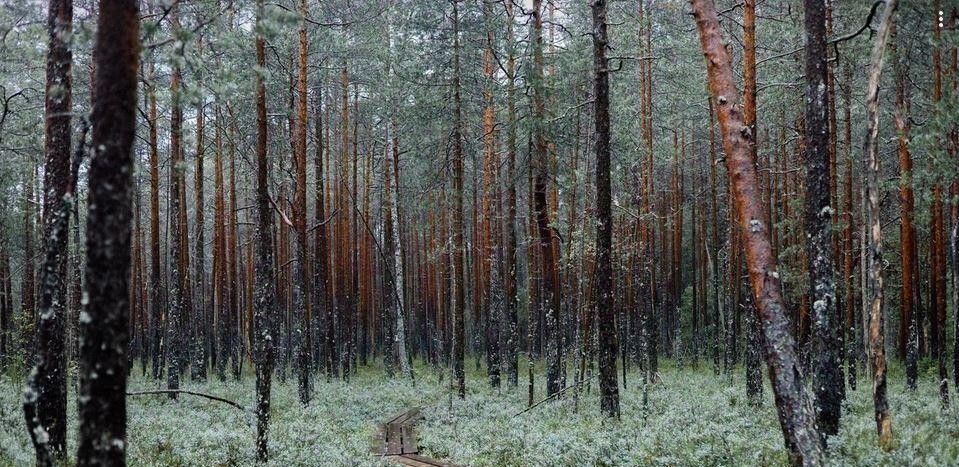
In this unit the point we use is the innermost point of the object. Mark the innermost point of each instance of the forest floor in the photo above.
(691, 418)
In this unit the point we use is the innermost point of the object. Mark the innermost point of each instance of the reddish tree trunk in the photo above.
(795, 411)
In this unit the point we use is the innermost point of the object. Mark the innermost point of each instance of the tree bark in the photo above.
(754, 375)
(827, 381)
(459, 281)
(874, 253)
(795, 411)
(104, 321)
(46, 397)
(511, 352)
(156, 282)
(608, 346)
(301, 292)
(198, 320)
(548, 298)
(265, 295)
(908, 329)
(175, 284)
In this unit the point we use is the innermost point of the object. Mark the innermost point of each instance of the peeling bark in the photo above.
(795, 409)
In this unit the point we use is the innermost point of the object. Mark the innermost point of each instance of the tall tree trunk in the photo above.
(954, 194)
(6, 303)
(197, 323)
(175, 284)
(156, 282)
(321, 298)
(827, 381)
(398, 273)
(489, 252)
(874, 253)
(459, 284)
(28, 285)
(104, 321)
(548, 298)
(608, 346)
(45, 402)
(265, 290)
(851, 342)
(511, 352)
(794, 405)
(754, 374)
(301, 283)
(908, 329)
(938, 315)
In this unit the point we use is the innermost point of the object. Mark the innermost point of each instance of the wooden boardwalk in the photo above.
(396, 440)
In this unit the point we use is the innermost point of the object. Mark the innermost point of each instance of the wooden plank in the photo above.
(428, 461)
(397, 441)
(379, 440)
(409, 440)
(403, 418)
(407, 460)
(394, 439)
(397, 417)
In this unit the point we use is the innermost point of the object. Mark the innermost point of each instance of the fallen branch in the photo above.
(192, 393)
(557, 394)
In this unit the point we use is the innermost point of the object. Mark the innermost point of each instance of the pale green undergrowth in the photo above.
(691, 418)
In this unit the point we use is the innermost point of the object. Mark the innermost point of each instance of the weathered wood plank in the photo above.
(412, 414)
(407, 460)
(394, 439)
(409, 440)
(428, 461)
(379, 441)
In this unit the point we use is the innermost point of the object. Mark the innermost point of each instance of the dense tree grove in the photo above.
(546, 197)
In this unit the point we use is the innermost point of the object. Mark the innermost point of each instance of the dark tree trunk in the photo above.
(511, 352)
(608, 346)
(6, 303)
(45, 402)
(156, 282)
(908, 338)
(28, 285)
(174, 327)
(827, 381)
(197, 322)
(104, 321)
(548, 298)
(321, 298)
(459, 279)
(265, 289)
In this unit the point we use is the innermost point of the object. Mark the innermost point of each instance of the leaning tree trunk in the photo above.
(795, 410)
(105, 318)
(45, 401)
(874, 251)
